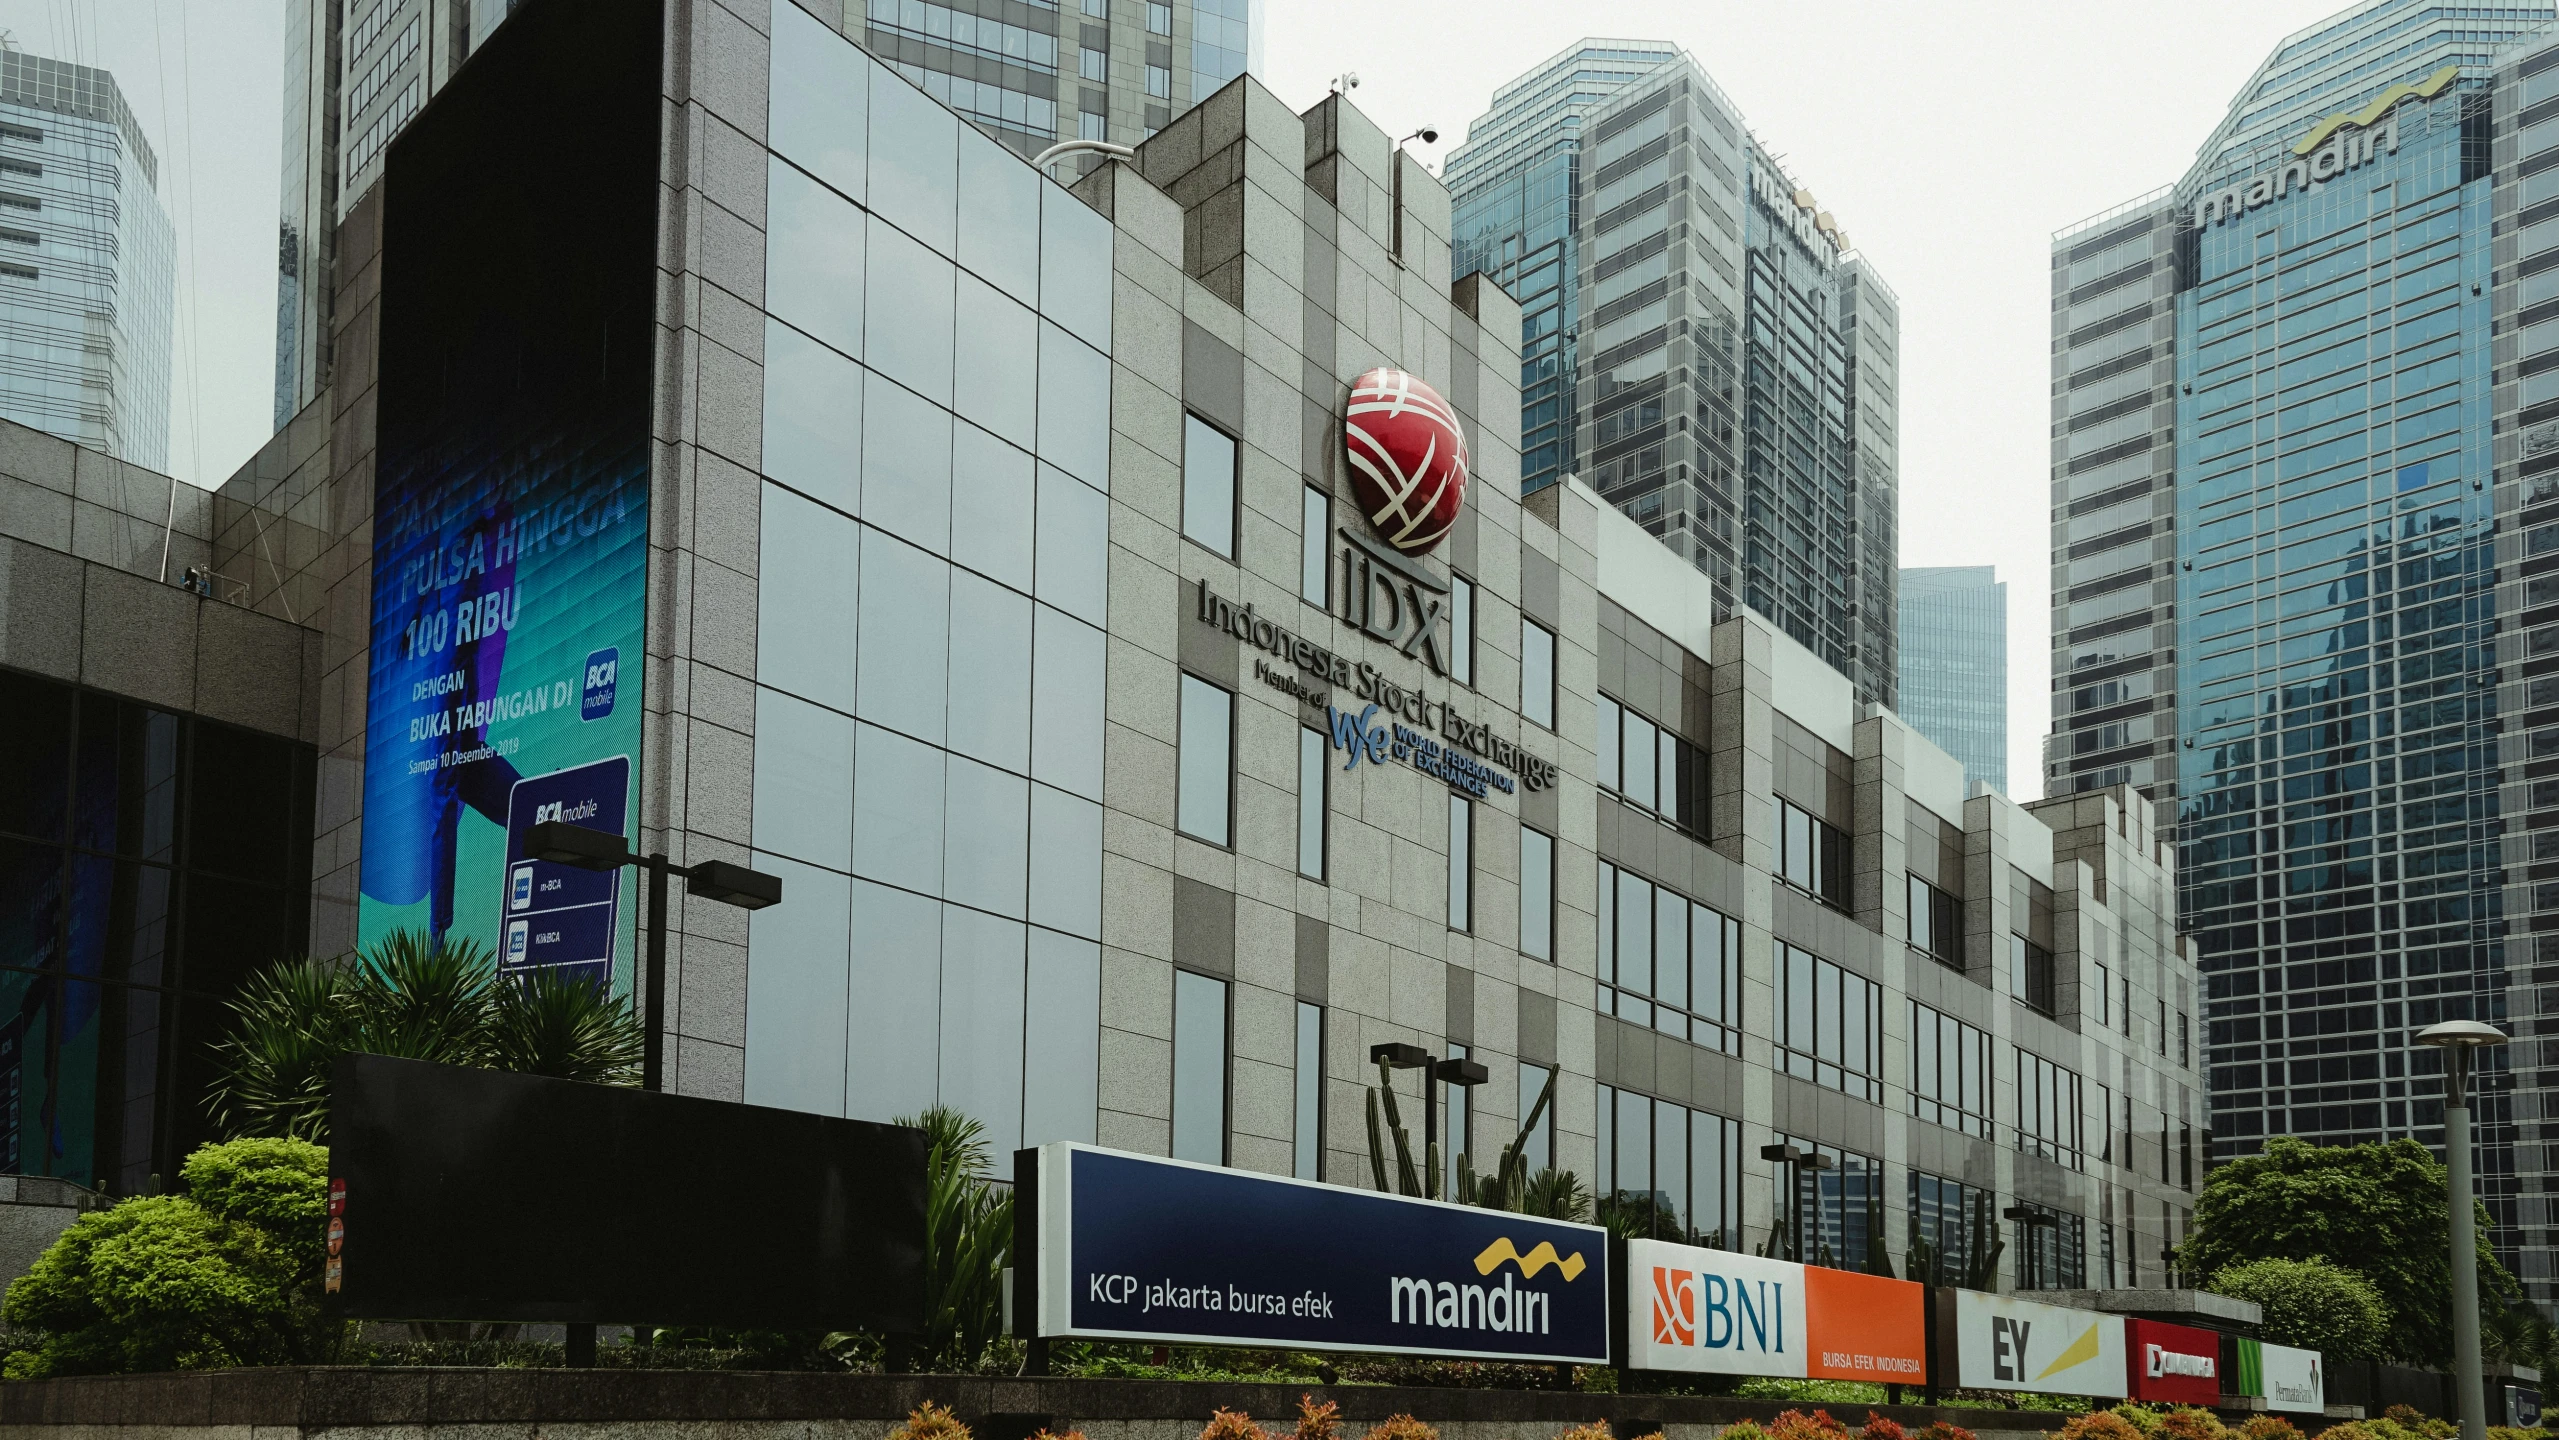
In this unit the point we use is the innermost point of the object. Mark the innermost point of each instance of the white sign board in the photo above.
(2007, 1344)
(2293, 1379)
(1714, 1311)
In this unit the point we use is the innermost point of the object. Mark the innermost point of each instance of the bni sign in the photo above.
(1727, 1313)
(1116, 1246)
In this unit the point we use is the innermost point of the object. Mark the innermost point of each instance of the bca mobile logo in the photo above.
(595, 696)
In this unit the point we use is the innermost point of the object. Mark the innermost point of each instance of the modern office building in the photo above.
(1735, 364)
(1954, 665)
(1515, 190)
(88, 263)
(1025, 71)
(988, 559)
(2289, 436)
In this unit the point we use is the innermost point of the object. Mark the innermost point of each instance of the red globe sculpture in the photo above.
(1407, 458)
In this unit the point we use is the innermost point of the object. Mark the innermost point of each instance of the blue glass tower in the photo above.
(2276, 499)
(1515, 201)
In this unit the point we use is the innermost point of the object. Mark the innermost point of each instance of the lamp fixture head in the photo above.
(733, 885)
(1396, 1055)
(562, 843)
(2464, 1034)
(1469, 1073)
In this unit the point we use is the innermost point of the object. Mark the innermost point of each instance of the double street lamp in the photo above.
(1797, 1161)
(2459, 1038)
(2036, 1222)
(1396, 1055)
(561, 843)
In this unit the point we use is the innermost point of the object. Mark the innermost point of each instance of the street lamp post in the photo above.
(1396, 1055)
(1797, 1161)
(562, 843)
(2035, 1221)
(2458, 1039)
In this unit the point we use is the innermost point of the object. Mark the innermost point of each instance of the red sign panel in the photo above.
(2177, 1363)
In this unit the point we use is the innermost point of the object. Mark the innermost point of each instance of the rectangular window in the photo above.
(1461, 863)
(1840, 1208)
(1311, 807)
(2030, 973)
(1205, 777)
(1669, 1172)
(1159, 18)
(1936, 923)
(1089, 126)
(1208, 486)
(1668, 963)
(1950, 1071)
(1159, 82)
(2102, 994)
(1536, 894)
(1093, 65)
(1812, 855)
(1651, 766)
(1952, 1227)
(2052, 1253)
(1830, 1023)
(1310, 1091)
(1538, 1152)
(2123, 1010)
(1199, 1068)
(2048, 1100)
(1461, 629)
(1536, 673)
(1314, 555)
(1612, 719)
(2183, 1040)
(1460, 1136)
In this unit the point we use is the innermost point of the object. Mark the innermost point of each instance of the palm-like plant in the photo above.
(968, 1227)
(545, 1024)
(413, 998)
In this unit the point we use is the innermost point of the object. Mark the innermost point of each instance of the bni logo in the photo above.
(595, 698)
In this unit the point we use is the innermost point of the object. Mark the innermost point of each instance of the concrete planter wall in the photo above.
(694, 1405)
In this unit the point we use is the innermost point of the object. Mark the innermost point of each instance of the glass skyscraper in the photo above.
(2276, 391)
(1954, 665)
(1515, 189)
(88, 263)
(1733, 368)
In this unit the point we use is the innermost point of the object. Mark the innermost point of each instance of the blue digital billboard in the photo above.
(1133, 1247)
(511, 495)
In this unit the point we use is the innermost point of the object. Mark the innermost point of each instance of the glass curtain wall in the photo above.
(931, 587)
(148, 863)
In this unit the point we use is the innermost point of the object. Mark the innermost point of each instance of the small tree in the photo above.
(2381, 1204)
(225, 1274)
(968, 1230)
(2313, 1304)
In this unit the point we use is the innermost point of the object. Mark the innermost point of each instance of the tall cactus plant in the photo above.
(1508, 1187)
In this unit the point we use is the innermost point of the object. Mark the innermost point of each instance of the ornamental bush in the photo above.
(1402, 1427)
(226, 1274)
(1232, 1425)
(2099, 1425)
(1796, 1425)
(2187, 1422)
(2267, 1427)
(2313, 1304)
(1881, 1427)
(929, 1421)
(1317, 1421)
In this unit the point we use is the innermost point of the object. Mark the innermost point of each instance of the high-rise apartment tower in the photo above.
(88, 278)
(1734, 383)
(1954, 665)
(1517, 208)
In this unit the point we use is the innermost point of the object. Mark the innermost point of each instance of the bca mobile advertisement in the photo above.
(1726, 1313)
(1132, 1247)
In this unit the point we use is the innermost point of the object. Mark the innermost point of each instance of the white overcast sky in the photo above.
(1950, 141)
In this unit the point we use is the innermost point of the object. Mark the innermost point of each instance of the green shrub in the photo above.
(225, 1275)
(2313, 1304)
